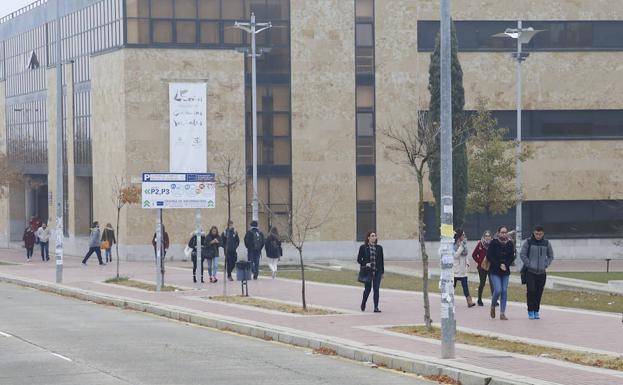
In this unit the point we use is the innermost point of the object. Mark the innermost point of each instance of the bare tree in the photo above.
(417, 141)
(229, 175)
(9, 174)
(306, 215)
(123, 193)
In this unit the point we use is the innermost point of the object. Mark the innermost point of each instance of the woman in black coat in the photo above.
(192, 243)
(371, 256)
(501, 255)
(273, 250)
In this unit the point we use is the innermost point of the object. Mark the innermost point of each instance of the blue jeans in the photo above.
(463, 281)
(374, 285)
(45, 253)
(108, 254)
(213, 267)
(254, 258)
(500, 289)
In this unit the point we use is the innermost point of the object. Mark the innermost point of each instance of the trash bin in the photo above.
(243, 270)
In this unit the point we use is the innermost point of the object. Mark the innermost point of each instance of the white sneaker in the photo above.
(274, 274)
(84, 264)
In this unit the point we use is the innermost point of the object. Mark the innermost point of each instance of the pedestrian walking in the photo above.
(108, 239)
(230, 241)
(254, 242)
(94, 244)
(213, 242)
(370, 256)
(500, 254)
(536, 254)
(165, 243)
(29, 242)
(43, 234)
(479, 254)
(273, 250)
(192, 243)
(461, 264)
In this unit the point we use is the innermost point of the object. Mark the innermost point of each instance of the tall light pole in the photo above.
(523, 36)
(59, 149)
(446, 260)
(253, 29)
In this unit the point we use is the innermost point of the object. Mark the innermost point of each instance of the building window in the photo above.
(556, 35)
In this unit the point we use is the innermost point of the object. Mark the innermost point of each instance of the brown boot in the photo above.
(470, 303)
(503, 317)
(493, 312)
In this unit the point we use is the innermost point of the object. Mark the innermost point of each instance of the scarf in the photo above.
(372, 256)
(484, 242)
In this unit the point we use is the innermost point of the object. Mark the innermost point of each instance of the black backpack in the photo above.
(257, 240)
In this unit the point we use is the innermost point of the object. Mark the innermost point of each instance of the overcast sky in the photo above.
(8, 6)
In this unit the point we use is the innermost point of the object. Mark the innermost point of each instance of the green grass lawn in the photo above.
(579, 300)
(2, 263)
(591, 276)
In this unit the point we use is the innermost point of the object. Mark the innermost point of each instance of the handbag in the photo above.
(365, 274)
(188, 251)
(485, 264)
(105, 245)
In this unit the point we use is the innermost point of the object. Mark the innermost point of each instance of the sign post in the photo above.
(177, 191)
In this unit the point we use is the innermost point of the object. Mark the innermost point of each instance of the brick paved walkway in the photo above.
(576, 329)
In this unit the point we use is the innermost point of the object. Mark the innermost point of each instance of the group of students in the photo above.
(229, 240)
(494, 256)
(37, 233)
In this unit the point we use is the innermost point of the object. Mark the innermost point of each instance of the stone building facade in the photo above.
(339, 73)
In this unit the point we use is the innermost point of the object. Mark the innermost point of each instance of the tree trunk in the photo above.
(427, 319)
(117, 243)
(302, 278)
(228, 239)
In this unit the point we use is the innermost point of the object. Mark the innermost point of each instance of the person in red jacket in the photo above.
(29, 242)
(479, 254)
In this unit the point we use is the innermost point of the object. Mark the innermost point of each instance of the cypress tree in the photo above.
(459, 153)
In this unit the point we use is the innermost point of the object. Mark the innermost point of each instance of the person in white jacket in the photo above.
(461, 263)
(43, 233)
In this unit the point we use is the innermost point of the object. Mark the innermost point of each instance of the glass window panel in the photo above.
(262, 189)
(364, 8)
(281, 125)
(209, 32)
(281, 151)
(279, 33)
(231, 34)
(233, 9)
(365, 97)
(366, 221)
(162, 8)
(365, 188)
(281, 98)
(209, 9)
(163, 31)
(138, 31)
(278, 9)
(185, 9)
(364, 60)
(280, 190)
(258, 7)
(364, 35)
(365, 124)
(186, 32)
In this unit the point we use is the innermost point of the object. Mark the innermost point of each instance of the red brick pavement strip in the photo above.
(579, 328)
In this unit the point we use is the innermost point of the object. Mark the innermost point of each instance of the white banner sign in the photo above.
(188, 147)
(183, 191)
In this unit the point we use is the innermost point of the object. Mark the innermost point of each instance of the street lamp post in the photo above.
(59, 149)
(523, 36)
(253, 29)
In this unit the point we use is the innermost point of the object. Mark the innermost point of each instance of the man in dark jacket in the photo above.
(231, 240)
(537, 254)
(254, 242)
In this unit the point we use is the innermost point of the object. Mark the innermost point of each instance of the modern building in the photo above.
(338, 74)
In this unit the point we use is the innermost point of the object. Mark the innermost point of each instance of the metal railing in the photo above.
(22, 10)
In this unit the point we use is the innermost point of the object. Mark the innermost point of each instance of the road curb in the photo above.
(465, 373)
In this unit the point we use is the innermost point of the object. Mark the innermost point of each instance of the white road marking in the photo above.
(5, 335)
(62, 357)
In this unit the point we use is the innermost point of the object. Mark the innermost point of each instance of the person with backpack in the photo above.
(213, 242)
(192, 243)
(254, 242)
(230, 242)
(273, 250)
(536, 254)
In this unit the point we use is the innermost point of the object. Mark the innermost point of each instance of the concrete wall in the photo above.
(5, 228)
(130, 120)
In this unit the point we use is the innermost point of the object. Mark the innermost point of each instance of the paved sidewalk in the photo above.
(573, 329)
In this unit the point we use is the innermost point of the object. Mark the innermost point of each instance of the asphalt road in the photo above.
(49, 339)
